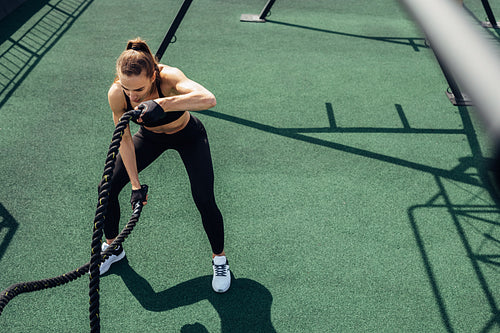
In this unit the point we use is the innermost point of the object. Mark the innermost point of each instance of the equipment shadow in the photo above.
(22, 52)
(415, 42)
(18, 17)
(472, 173)
(472, 220)
(477, 226)
(245, 307)
(8, 223)
(301, 134)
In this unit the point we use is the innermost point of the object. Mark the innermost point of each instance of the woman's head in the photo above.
(136, 59)
(136, 69)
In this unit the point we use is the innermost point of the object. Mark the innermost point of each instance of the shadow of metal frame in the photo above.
(21, 54)
(8, 228)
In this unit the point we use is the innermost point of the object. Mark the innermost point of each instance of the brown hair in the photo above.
(137, 58)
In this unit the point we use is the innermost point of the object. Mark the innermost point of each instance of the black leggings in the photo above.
(192, 144)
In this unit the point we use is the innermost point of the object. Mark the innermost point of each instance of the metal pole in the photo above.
(492, 20)
(472, 58)
(455, 97)
(266, 9)
(261, 18)
(173, 28)
(467, 52)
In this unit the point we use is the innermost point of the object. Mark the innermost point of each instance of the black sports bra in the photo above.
(166, 119)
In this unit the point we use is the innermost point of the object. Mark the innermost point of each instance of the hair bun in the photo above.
(137, 45)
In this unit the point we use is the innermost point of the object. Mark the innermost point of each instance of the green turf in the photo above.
(353, 191)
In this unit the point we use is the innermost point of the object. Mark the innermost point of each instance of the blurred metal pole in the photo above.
(467, 53)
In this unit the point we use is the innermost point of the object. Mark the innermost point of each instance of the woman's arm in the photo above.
(186, 94)
(127, 150)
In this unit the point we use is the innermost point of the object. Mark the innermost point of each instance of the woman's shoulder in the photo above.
(115, 95)
(171, 76)
(169, 71)
(115, 89)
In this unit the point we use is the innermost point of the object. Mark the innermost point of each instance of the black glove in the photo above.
(150, 111)
(135, 114)
(139, 195)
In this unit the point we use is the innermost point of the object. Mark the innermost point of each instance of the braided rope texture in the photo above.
(97, 257)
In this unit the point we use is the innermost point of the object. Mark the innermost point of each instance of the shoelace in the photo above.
(115, 252)
(220, 270)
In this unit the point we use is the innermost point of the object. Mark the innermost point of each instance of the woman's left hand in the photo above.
(140, 195)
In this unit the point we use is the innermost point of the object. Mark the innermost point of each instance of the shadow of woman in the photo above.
(246, 307)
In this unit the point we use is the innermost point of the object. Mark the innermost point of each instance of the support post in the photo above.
(492, 22)
(173, 28)
(455, 95)
(261, 18)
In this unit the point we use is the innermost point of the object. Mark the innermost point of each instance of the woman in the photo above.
(163, 94)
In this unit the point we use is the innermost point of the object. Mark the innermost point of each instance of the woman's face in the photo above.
(137, 87)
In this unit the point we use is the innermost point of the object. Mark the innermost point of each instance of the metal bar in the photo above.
(456, 97)
(173, 28)
(467, 52)
(489, 13)
(266, 9)
(261, 18)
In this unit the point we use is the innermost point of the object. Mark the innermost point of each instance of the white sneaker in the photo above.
(117, 255)
(222, 277)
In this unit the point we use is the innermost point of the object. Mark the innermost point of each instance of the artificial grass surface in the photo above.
(350, 186)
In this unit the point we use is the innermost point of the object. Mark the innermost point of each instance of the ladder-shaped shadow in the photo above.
(471, 173)
(300, 134)
(20, 54)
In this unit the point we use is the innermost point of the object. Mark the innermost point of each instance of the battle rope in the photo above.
(96, 256)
